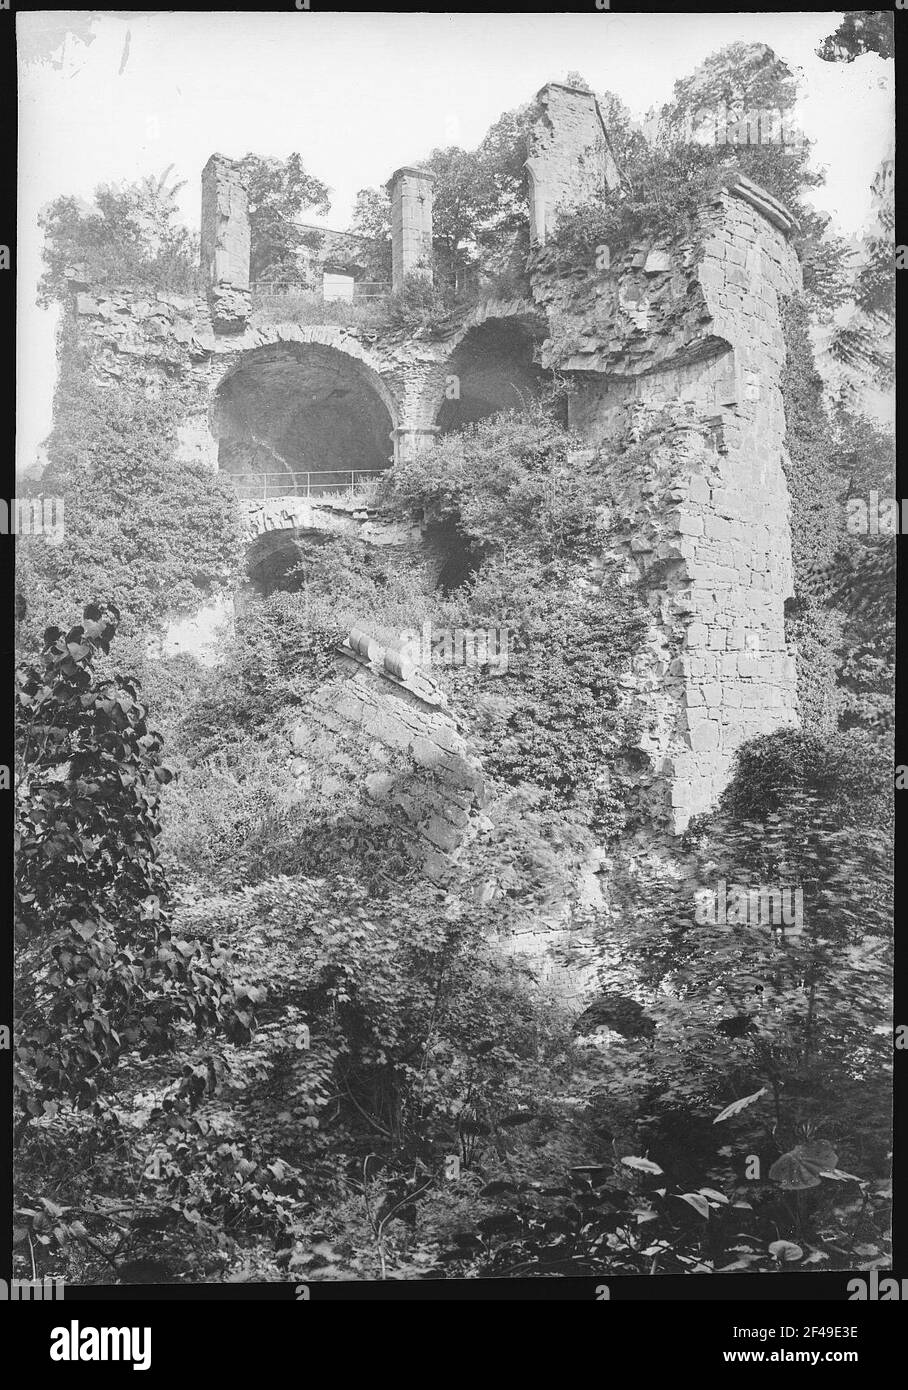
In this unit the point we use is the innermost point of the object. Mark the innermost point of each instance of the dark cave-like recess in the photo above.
(495, 371)
(295, 409)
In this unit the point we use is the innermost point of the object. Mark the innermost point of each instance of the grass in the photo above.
(297, 306)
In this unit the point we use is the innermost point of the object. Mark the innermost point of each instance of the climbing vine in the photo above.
(160, 536)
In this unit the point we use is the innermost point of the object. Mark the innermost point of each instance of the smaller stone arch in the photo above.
(489, 364)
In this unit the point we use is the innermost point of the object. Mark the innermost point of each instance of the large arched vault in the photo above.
(295, 417)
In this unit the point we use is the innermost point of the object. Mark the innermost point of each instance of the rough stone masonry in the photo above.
(674, 353)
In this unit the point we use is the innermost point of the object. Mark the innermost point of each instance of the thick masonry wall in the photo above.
(675, 355)
(695, 531)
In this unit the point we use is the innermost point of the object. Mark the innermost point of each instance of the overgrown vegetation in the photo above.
(256, 1039)
(736, 1122)
(512, 494)
(157, 535)
(130, 235)
(843, 616)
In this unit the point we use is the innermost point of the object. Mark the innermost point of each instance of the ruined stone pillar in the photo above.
(570, 158)
(225, 244)
(411, 224)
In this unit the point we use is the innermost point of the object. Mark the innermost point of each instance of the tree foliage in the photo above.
(861, 31)
(130, 234)
(280, 193)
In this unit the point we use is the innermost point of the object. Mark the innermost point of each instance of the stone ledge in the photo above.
(774, 211)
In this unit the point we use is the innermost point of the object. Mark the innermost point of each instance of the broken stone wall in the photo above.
(443, 791)
(570, 159)
(691, 326)
(688, 321)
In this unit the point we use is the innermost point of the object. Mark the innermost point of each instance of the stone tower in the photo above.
(411, 224)
(225, 243)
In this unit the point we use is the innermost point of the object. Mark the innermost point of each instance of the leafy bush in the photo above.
(664, 192)
(98, 971)
(848, 775)
(510, 486)
(519, 500)
(419, 303)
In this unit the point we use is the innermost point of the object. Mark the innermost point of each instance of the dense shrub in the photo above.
(848, 774)
(521, 502)
(98, 971)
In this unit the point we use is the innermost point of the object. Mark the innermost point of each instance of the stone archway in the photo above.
(301, 418)
(490, 367)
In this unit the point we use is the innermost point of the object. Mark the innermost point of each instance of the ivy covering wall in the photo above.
(812, 624)
(156, 536)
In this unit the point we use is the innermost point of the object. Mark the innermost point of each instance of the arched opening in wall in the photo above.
(272, 558)
(302, 419)
(492, 369)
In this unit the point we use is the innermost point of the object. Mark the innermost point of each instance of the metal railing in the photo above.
(322, 483)
(370, 289)
(362, 289)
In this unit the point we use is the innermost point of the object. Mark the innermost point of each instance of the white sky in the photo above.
(358, 95)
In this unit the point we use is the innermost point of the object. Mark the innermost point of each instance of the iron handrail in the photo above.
(290, 485)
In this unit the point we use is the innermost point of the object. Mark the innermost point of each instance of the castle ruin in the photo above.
(685, 330)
